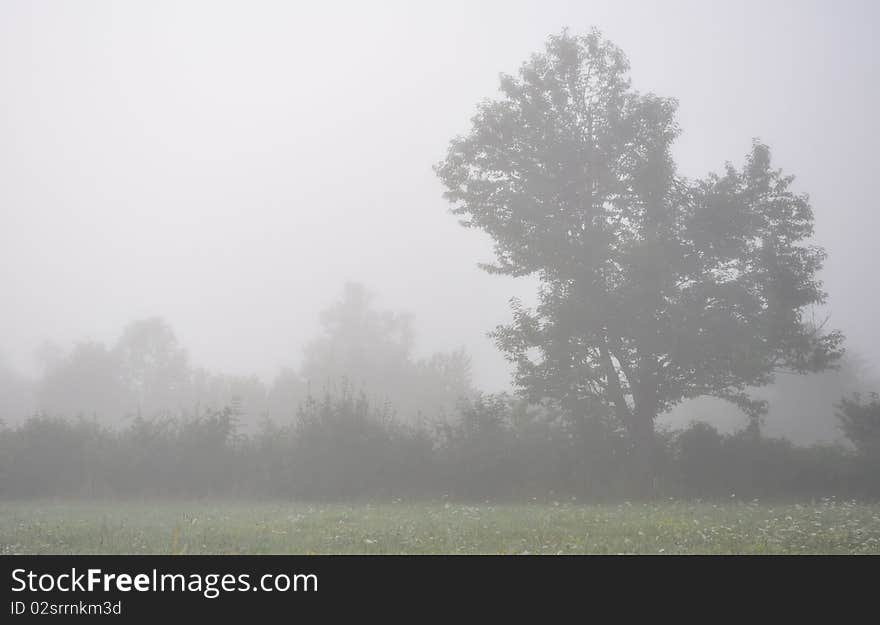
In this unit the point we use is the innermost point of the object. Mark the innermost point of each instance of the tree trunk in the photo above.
(643, 467)
(642, 430)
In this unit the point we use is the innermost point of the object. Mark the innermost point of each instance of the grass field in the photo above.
(223, 527)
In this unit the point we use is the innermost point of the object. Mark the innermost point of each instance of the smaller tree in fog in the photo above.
(87, 381)
(373, 351)
(153, 365)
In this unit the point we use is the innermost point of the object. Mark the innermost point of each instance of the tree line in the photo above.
(148, 373)
(497, 447)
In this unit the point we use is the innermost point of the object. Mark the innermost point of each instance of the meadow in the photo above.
(235, 527)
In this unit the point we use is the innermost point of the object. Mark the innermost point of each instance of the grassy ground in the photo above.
(221, 527)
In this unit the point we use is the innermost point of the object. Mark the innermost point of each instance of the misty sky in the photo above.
(228, 166)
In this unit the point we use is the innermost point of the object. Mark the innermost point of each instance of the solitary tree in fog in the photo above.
(654, 288)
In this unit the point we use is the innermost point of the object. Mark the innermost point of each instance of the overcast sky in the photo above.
(228, 165)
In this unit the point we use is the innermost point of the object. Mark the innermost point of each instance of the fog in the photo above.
(230, 166)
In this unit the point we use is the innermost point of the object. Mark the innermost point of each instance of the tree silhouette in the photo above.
(654, 288)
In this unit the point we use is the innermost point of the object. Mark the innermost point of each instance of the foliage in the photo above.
(860, 420)
(342, 447)
(710, 464)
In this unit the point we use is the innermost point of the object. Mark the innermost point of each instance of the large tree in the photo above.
(654, 288)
